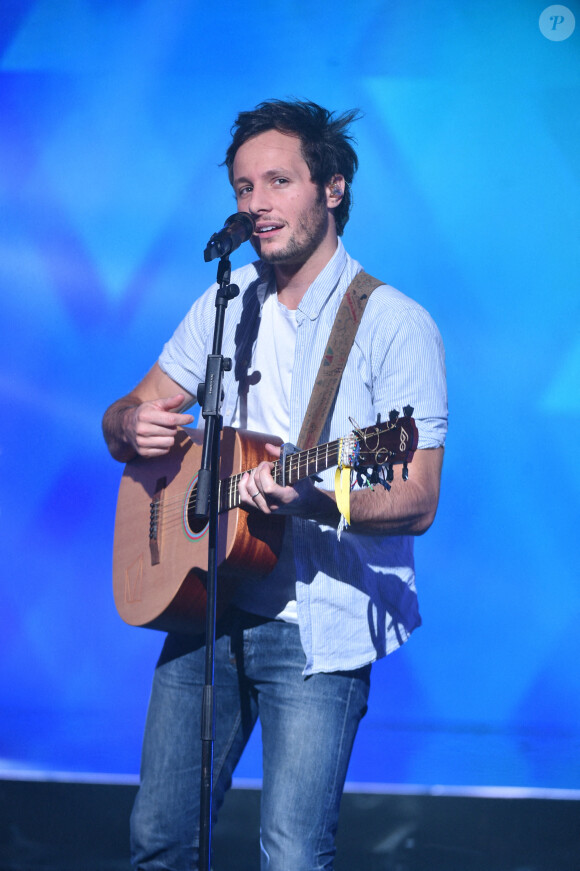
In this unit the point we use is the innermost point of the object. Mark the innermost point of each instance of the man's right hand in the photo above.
(150, 428)
(141, 423)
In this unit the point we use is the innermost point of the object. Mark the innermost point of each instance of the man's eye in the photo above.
(243, 191)
(280, 181)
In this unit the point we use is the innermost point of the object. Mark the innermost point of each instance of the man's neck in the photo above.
(293, 280)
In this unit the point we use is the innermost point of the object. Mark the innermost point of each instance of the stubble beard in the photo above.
(311, 231)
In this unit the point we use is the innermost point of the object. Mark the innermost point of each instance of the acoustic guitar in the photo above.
(160, 557)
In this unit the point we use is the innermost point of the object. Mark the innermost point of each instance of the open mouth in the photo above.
(265, 229)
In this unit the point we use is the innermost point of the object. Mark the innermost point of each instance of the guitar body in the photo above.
(160, 554)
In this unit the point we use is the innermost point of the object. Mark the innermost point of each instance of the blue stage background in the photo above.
(114, 117)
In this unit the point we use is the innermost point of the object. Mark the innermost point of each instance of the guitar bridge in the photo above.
(155, 525)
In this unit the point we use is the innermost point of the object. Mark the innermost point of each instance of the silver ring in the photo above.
(255, 494)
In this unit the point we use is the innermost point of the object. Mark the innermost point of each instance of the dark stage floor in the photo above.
(62, 826)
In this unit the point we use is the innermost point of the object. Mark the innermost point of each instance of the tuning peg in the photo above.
(390, 473)
(393, 415)
(379, 419)
(405, 470)
(408, 411)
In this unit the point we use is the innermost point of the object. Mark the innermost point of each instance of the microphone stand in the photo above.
(209, 396)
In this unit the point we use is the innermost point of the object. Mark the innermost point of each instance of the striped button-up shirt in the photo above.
(356, 598)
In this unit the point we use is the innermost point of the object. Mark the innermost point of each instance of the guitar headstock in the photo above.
(388, 443)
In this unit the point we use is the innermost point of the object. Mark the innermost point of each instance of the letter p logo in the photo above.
(557, 23)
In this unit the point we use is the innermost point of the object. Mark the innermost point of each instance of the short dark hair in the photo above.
(326, 143)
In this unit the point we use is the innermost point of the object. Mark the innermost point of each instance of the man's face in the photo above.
(272, 182)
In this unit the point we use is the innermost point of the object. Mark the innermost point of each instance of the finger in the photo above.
(169, 403)
(158, 419)
(251, 496)
(184, 419)
(259, 501)
(154, 424)
(254, 491)
(247, 487)
(265, 481)
(150, 444)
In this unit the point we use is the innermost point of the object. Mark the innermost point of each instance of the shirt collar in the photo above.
(318, 292)
(324, 284)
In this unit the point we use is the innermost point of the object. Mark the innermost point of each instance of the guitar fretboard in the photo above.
(378, 445)
(298, 466)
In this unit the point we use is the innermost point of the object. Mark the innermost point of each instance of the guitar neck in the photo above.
(299, 465)
(379, 445)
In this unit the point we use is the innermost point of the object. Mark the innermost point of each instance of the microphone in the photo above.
(237, 229)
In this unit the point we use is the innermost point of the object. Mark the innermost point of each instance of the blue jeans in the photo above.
(308, 729)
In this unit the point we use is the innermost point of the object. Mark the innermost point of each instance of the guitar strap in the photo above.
(334, 359)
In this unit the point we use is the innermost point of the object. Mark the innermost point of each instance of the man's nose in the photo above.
(259, 201)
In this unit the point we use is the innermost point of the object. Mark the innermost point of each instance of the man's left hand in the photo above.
(258, 490)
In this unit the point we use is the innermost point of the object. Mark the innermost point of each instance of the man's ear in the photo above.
(335, 191)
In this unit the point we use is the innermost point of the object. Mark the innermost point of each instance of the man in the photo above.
(295, 648)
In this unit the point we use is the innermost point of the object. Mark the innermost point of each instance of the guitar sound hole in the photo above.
(196, 524)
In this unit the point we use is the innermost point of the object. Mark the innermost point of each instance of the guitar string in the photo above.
(298, 467)
(233, 481)
(172, 510)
